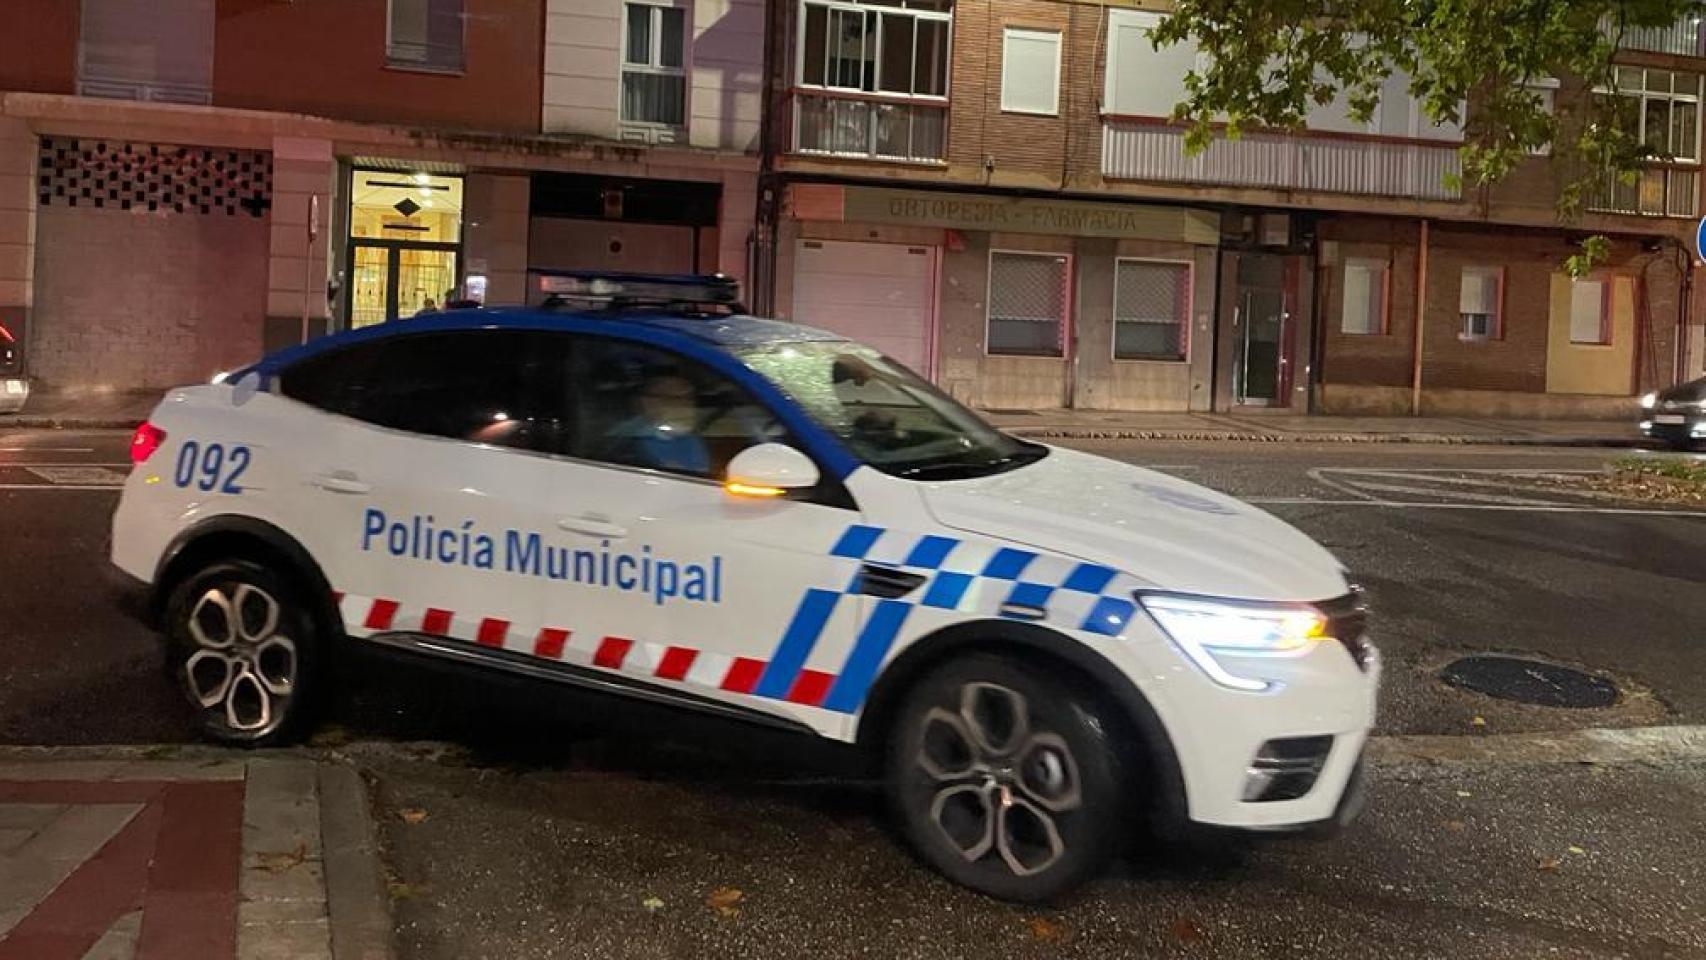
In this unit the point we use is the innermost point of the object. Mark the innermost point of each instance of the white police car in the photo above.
(1043, 648)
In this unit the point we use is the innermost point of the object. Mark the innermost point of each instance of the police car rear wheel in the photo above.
(1005, 779)
(242, 648)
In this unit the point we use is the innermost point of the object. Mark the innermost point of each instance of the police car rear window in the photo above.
(502, 387)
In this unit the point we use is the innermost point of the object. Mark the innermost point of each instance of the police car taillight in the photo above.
(145, 441)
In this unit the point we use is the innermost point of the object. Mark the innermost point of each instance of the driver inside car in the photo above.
(664, 433)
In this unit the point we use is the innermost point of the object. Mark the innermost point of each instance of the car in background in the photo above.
(14, 389)
(1676, 415)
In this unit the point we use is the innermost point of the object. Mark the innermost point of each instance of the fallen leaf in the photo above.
(1465, 794)
(1548, 863)
(1186, 930)
(412, 815)
(1478, 722)
(276, 862)
(1578, 851)
(1455, 826)
(725, 900)
(1049, 931)
(652, 903)
(404, 891)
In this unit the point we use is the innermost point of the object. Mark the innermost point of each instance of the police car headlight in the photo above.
(1650, 400)
(1209, 632)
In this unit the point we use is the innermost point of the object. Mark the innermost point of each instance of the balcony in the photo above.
(844, 125)
(1136, 149)
(1660, 191)
(1683, 38)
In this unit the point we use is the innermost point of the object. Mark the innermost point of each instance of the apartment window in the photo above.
(1545, 93)
(1027, 303)
(160, 51)
(1480, 302)
(1367, 287)
(1590, 314)
(654, 57)
(872, 79)
(1030, 71)
(1152, 309)
(871, 48)
(425, 35)
(1665, 113)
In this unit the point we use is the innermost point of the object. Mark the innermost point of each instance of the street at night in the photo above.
(572, 826)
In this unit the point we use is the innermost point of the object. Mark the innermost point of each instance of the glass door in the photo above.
(1262, 322)
(405, 238)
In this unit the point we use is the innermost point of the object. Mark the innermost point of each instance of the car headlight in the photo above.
(1204, 630)
(1650, 401)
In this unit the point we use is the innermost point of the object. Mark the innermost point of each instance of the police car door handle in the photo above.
(341, 481)
(593, 525)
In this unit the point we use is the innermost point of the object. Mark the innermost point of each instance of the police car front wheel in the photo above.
(1006, 779)
(242, 649)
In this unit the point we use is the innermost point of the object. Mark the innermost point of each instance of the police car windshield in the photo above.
(891, 418)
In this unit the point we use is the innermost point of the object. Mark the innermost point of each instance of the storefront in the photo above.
(1011, 303)
(622, 224)
(404, 244)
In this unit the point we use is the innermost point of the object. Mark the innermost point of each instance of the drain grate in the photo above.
(1529, 681)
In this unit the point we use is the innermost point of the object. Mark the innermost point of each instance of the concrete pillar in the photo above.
(739, 208)
(303, 175)
(18, 151)
(495, 211)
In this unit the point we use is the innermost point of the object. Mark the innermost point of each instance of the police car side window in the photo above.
(500, 387)
(645, 407)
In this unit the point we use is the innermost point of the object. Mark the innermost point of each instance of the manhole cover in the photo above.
(1529, 681)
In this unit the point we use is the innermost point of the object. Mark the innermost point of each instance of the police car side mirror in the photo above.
(769, 470)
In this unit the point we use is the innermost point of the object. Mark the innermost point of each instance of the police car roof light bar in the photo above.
(616, 291)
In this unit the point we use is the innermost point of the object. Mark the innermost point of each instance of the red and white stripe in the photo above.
(672, 663)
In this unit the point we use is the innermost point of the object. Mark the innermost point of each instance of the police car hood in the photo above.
(1172, 534)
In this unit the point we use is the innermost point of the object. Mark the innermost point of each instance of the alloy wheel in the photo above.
(1001, 786)
(243, 668)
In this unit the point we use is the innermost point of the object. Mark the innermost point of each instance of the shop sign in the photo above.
(1073, 218)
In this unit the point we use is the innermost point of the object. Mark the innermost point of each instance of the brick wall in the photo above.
(327, 57)
(1515, 361)
(129, 300)
(38, 47)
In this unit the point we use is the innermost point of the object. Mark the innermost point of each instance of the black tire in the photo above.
(227, 674)
(973, 804)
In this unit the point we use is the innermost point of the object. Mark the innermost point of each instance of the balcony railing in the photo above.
(1683, 38)
(1660, 191)
(846, 126)
(1142, 150)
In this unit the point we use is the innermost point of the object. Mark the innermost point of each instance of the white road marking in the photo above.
(1453, 494)
(117, 465)
(79, 475)
(1318, 474)
(1501, 507)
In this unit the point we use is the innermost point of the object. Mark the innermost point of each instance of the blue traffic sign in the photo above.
(1700, 240)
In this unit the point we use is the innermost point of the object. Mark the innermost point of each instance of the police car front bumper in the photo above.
(1674, 427)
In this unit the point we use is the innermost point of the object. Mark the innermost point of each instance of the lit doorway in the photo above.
(405, 244)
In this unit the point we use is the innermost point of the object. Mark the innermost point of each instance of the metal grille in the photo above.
(1027, 303)
(1151, 310)
(115, 175)
(866, 128)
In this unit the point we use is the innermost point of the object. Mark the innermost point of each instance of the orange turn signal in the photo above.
(735, 488)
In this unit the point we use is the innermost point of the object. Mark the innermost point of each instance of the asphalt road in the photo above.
(569, 829)
(1461, 549)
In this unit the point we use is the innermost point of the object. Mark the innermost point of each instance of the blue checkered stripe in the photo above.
(964, 577)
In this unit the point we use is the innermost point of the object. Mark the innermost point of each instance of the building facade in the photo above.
(995, 194)
(186, 183)
(990, 192)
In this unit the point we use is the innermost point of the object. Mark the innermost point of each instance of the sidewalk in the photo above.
(126, 410)
(113, 856)
(1270, 428)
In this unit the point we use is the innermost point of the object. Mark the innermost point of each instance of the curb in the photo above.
(1608, 746)
(357, 903)
(1440, 439)
(70, 423)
